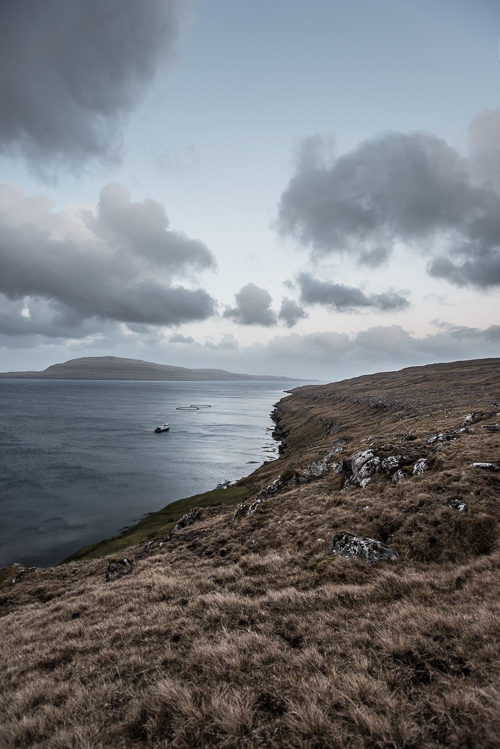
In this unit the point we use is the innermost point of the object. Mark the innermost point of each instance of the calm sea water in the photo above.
(79, 460)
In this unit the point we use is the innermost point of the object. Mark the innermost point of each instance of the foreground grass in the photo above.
(161, 523)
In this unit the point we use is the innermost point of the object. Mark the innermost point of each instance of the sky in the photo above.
(308, 189)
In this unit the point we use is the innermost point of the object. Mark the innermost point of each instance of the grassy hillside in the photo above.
(243, 630)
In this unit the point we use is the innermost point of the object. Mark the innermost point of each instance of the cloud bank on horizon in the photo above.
(114, 276)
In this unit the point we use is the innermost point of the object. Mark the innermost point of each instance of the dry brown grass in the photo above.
(250, 634)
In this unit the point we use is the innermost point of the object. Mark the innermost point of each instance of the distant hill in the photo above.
(117, 368)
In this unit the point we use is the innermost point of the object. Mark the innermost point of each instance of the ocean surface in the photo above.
(79, 460)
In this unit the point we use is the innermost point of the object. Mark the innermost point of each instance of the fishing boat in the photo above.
(164, 428)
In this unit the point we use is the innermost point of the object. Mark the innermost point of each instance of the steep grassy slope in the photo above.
(242, 630)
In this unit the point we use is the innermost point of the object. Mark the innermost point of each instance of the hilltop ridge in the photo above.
(263, 624)
(118, 368)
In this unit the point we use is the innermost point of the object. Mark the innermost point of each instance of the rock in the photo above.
(420, 467)
(492, 466)
(368, 549)
(337, 447)
(362, 466)
(253, 507)
(457, 504)
(442, 437)
(188, 519)
(315, 470)
(491, 427)
(469, 419)
(117, 566)
(391, 463)
(398, 476)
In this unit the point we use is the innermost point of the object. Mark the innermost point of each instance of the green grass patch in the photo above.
(162, 522)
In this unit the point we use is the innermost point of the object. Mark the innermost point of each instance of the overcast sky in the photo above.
(309, 189)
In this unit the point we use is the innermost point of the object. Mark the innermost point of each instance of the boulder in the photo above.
(457, 504)
(315, 470)
(117, 566)
(188, 519)
(398, 476)
(368, 549)
(391, 463)
(362, 466)
(421, 466)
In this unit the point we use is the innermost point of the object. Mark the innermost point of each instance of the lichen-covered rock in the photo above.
(391, 463)
(398, 476)
(368, 549)
(442, 437)
(337, 447)
(315, 470)
(253, 507)
(188, 519)
(457, 504)
(421, 466)
(362, 466)
(117, 566)
(469, 419)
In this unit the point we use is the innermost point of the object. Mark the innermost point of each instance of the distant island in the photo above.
(118, 368)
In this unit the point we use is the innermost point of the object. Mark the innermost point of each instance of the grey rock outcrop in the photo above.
(398, 476)
(363, 465)
(391, 463)
(457, 504)
(188, 519)
(421, 466)
(315, 470)
(116, 567)
(368, 549)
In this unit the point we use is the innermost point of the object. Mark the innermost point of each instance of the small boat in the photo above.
(164, 428)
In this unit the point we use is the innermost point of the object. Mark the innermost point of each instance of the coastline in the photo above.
(162, 522)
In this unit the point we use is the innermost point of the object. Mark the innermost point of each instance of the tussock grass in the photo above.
(251, 634)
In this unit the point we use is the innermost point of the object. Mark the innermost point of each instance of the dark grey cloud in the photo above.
(253, 307)
(291, 312)
(404, 187)
(72, 70)
(347, 298)
(120, 262)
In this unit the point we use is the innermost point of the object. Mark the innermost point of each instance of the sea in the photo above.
(79, 459)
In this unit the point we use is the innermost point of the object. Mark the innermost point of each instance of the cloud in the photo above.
(411, 188)
(347, 298)
(228, 343)
(253, 307)
(333, 356)
(117, 260)
(179, 338)
(72, 71)
(291, 312)
(483, 140)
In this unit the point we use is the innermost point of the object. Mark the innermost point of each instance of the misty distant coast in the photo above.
(117, 368)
